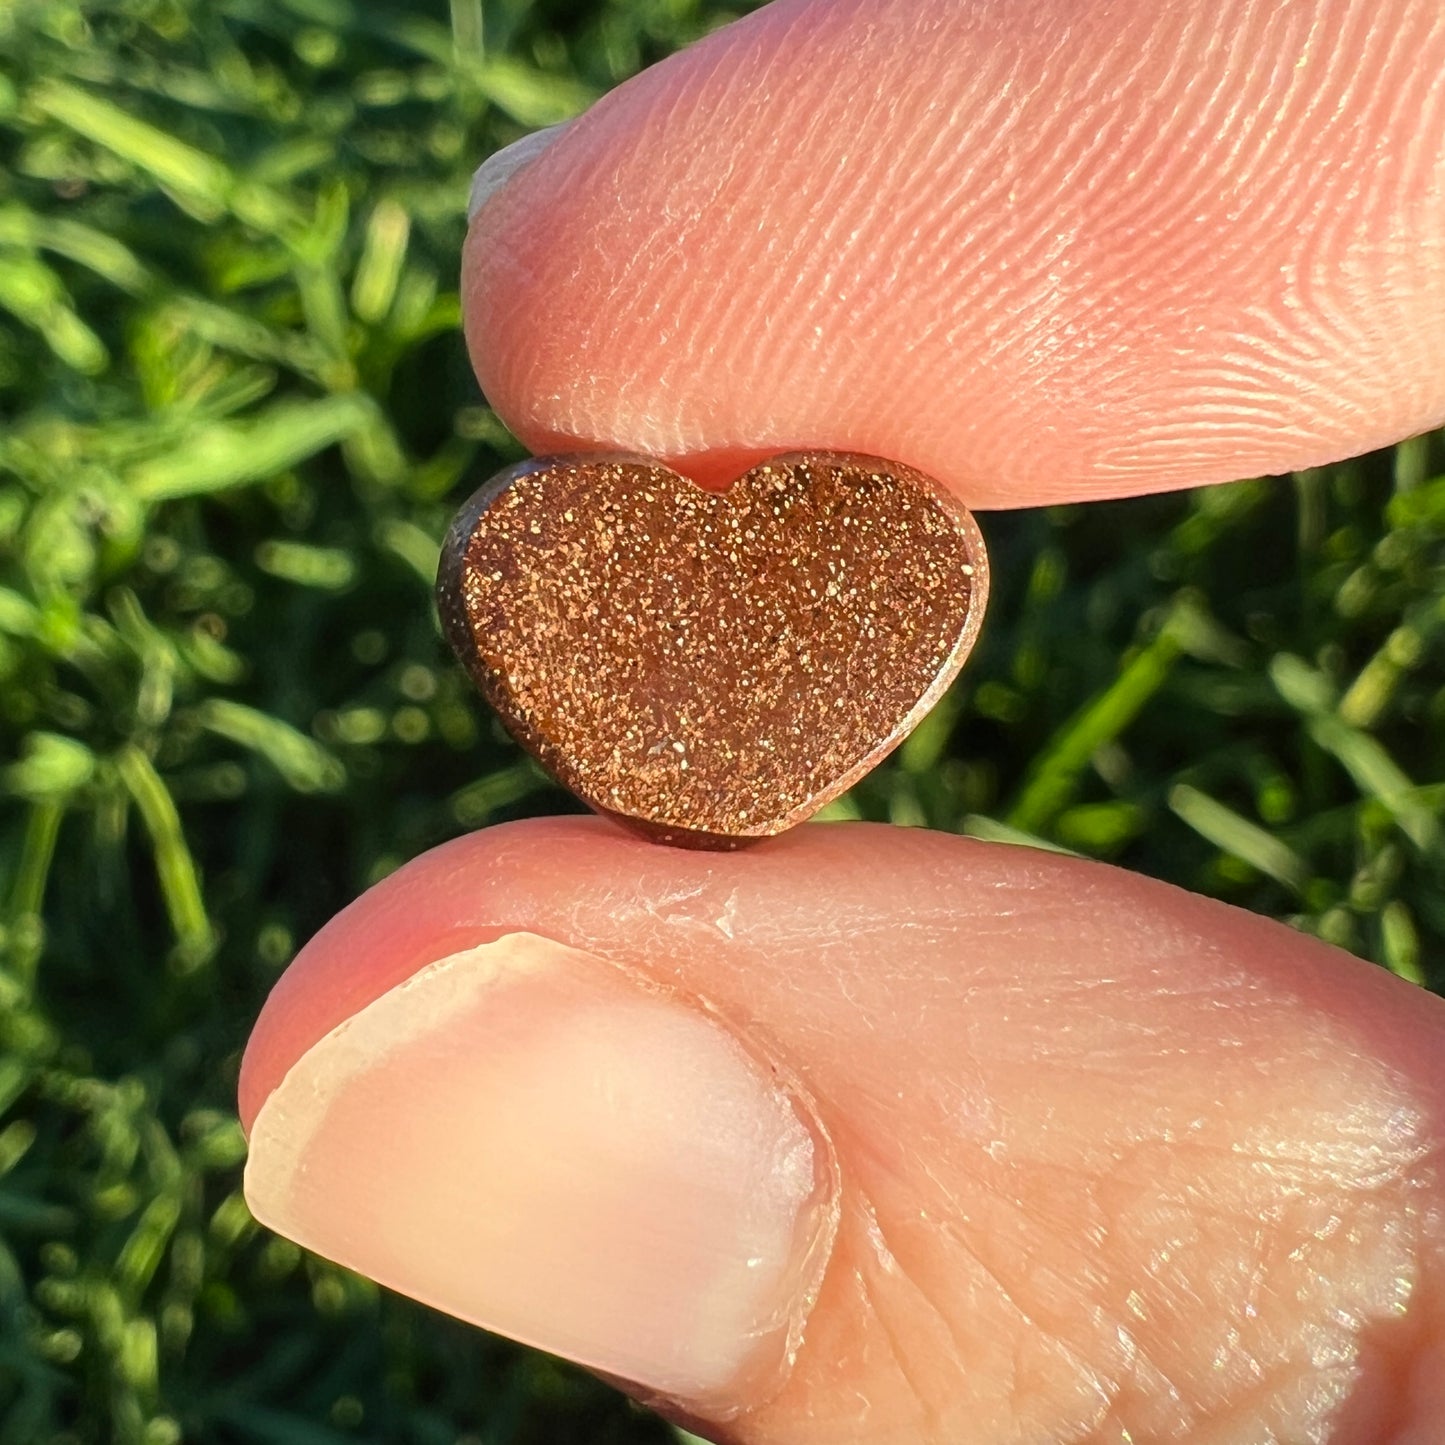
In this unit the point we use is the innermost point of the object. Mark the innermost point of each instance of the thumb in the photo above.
(873, 1136)
(1042, 251)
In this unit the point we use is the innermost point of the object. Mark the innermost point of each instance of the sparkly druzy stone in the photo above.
(712, 667)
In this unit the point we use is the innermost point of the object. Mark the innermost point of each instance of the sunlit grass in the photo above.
(235, 415)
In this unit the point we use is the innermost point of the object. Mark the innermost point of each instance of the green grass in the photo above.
(236, 417)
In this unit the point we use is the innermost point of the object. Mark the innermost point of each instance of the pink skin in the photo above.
(1040, 249)
(871, 1136)
(1107, 1157)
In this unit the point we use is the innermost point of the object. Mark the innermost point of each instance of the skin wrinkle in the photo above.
(928, 1419)
(857, 1149)
(1339, 1340)
(1248, 1416)
(1010, 1298)
(927, 1411)
(1077, 1355)
(1256, 1270)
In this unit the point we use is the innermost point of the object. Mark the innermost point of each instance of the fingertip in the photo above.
(1043, 255)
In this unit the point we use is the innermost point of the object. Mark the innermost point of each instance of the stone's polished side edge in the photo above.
(711, 668)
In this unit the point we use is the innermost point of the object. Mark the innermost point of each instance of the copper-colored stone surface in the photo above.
(712, 667)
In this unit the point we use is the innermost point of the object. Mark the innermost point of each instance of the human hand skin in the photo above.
(869, 1135)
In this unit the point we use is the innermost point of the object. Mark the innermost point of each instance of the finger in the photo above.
(1043, 251)
(873, 1135)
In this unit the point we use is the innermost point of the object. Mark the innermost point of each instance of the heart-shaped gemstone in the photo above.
(712, 667)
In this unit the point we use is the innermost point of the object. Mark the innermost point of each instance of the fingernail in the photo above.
(527, 1137)
(502, 165)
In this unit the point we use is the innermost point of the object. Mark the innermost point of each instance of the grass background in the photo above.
(236, 418)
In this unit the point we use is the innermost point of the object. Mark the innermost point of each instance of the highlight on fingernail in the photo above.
(531, 1138)
(502, 165)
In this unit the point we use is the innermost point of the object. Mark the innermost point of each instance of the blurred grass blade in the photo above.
(476, 804)
(1238, 837)
(1377, 775)
(15, 1140)
(373, 452)
(408, 542)
(15, 1076)
(157, 656)
(175, 868)
(1412, 462)
(32, 293)
(383, 253)
(1379, 679)
(242, 333)
(531, 97)
(97, 252)
(141, 1254)
(37, 853)
(925, 745)
(324, 305)
(190, 173)
(1100, 828)
(1400, 942)
(1303, 688)
(1421, 505)
(1055, 775)
(138, 1359)
(327, 568)
(468, 34)
(19, 616)
(1374, 772)
(51, 767)
(305, 764)
(231, 454)
(992, 830)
